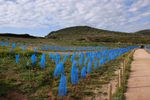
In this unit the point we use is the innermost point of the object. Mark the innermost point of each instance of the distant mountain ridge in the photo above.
(17, 35)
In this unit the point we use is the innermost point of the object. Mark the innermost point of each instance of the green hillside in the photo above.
(82, 36)
(144, 32)
(89, 34)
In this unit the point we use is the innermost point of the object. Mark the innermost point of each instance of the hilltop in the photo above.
(144, 32)
(89, 34)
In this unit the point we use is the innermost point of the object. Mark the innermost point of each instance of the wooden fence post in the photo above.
(110, 91)
(124, 64)
(119, 78)
(122, 68)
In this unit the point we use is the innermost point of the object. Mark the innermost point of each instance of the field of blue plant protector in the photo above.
(39, 73)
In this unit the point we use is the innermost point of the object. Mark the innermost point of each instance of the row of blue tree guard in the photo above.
(86, 61)
(55, 48)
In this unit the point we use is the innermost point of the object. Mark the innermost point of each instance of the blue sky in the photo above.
(39, 17)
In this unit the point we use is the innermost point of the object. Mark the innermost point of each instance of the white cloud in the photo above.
(107, 14)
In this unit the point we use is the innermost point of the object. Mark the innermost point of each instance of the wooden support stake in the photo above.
(124, 65)
(110, 91)
(119, 78)
(122, 68)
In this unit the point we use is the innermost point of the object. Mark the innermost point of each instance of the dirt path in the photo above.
(139, 81)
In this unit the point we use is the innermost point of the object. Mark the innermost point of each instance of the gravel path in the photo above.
(139, 81)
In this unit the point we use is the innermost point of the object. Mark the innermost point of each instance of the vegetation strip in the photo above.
(119, 94)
